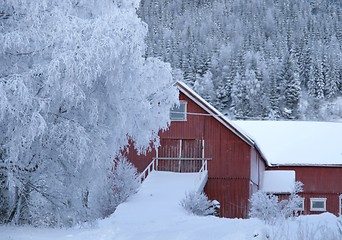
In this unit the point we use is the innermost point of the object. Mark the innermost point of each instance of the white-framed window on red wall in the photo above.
(178, 112)
(318, 204)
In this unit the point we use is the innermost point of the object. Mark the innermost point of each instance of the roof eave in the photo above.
(213, 111)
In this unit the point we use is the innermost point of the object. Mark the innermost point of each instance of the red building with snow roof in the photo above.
(313, 150)
(236, 165)
(199, 131)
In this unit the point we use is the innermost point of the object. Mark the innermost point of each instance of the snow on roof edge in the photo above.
(297, 143)
(304, 165)
(278, 181)
(218, 115)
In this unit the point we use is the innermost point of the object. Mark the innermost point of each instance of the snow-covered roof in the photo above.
(297, 142)
(278, 181)
(185, 89)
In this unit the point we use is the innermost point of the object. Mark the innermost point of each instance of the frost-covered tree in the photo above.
(125, 181)
(265, 207)
(290, 206)
(201, 36)
(292, 88)
(197, 203)
(240, 103)
(74, 87)
(204, 86)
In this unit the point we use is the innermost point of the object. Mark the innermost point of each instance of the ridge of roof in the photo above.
(184, 88)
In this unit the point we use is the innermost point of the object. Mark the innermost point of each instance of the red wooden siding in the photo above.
(139, 161)
(232, 193)
(230, 165)
(228, 168)
(319, 182)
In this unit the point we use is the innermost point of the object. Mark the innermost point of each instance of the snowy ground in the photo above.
(154, 213)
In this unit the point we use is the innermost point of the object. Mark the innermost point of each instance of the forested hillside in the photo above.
(254, 59)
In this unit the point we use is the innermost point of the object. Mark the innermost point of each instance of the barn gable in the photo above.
(235, 163)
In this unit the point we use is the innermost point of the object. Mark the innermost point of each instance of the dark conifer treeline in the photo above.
(277, 59)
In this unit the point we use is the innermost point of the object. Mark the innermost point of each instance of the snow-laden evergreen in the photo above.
(74, 86)
(298, 44)
(197, 203)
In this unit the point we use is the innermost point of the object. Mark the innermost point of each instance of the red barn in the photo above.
(237, 167)
(322, 187)
(198, 131)
(313, 150)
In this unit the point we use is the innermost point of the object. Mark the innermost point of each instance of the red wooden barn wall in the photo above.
(230, 168)
(319, 182)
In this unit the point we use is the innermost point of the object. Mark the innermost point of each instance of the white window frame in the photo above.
(324, 200)
(185, 112)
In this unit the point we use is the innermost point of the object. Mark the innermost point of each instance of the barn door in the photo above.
(183, 154)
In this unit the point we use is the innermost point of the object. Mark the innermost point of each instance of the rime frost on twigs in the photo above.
(125, 180)
(198, 204)
(265, 207)
(268, 208)
(74, 86)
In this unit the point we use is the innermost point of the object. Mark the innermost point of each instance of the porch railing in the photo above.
(180, 165)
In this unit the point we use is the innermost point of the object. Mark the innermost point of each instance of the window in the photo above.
(178, 112)
(318, 204)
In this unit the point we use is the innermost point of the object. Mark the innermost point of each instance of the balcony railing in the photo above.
(180, 165)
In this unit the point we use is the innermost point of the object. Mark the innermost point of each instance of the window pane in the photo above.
(318, 204)
(178, 112)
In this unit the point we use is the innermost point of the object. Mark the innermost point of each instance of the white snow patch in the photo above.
(297, 142)
(278, 181)
(159, 197)
(154, 213)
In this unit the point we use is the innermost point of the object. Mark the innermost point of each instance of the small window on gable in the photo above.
(318, 204)
(178, 112)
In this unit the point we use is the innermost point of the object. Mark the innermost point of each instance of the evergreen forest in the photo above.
(253, 59)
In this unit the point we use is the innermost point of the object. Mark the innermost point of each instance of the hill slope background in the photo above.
(266, 59)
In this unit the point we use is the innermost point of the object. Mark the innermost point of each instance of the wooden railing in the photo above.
(181, 165)
(148, 169)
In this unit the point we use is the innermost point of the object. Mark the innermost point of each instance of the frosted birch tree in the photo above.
(74, 88)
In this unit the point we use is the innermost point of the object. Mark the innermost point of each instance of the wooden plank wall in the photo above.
(229, 168)
(319, 182)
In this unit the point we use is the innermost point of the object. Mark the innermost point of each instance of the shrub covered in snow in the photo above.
(268, 208)
(198, 204)
(265, 207)
(125, 180)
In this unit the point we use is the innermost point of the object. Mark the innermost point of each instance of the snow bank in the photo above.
(154, 213)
